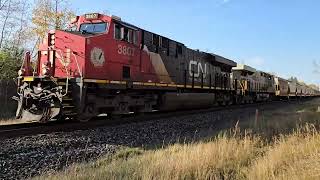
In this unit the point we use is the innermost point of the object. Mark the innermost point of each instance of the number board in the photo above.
(92, 16)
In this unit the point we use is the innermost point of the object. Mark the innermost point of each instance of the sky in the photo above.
(278, 36)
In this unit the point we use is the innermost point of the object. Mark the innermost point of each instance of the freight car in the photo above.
(106, 65)
(297, 90)
(293, 89)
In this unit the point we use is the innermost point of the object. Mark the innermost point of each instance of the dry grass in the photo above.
(222, 158)
(296, 156)
(293, 157)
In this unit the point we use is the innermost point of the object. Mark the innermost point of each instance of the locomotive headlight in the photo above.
(51, 39)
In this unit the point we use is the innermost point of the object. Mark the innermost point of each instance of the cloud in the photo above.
(225, 1)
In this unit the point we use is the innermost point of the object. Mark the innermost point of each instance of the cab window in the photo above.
(94, 27)
(117, 31)
(155, 39)
(125, 34)
(135, 37)
(165, 42)
(128, 35)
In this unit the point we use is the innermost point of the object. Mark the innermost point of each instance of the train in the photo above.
(103, 65)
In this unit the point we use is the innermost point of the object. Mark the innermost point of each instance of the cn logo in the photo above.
(198, 69)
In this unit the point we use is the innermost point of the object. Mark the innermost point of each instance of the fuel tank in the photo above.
(176, 101)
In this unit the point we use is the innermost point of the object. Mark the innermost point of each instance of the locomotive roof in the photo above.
(218, 58)
(138, 28)
(224, 60)
(280, 78)
(127, 24)
(242, 67)
(268, 74)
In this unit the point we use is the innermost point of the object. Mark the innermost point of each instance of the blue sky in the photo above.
(280, 36)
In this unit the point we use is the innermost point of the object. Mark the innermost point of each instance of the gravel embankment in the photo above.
(25, 157)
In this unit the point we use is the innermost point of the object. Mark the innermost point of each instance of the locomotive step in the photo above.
(67, 99)
(70, 111)
(62, 83)
(67, 106)
(70, 114)
(69, 90)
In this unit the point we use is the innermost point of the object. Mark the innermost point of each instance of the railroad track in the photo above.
(27, 129)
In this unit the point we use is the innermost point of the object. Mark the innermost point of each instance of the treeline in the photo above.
(23, 25)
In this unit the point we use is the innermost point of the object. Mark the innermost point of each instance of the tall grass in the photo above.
(295, 156)
(283, 144)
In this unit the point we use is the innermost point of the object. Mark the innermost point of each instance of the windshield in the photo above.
(94, 27)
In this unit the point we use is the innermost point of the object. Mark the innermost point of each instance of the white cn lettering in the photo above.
(199, 69)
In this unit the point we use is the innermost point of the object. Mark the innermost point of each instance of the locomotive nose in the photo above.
(70, 54)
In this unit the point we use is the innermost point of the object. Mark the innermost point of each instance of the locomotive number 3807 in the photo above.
(124, 50)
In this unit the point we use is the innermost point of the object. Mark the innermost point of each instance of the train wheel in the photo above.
(84, 119)
(46, 115)
(88, 113)
(116, 116)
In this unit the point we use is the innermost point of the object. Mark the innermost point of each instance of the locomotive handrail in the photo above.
(75, 57)
(64, 64)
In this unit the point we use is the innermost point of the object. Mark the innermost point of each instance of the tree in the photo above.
(20, 30)
(9, 64)
(14, 27)
(50, 14)
(293, 79)
(14, 22)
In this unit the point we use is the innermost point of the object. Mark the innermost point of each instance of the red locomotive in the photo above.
(109, 66)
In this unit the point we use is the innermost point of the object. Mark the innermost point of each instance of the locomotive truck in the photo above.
(106, 65)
